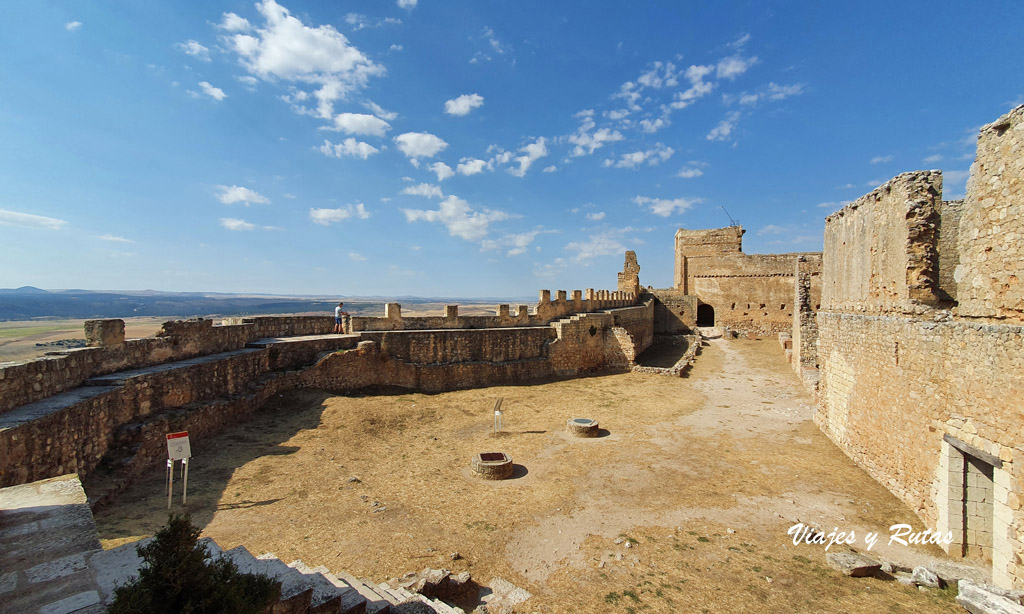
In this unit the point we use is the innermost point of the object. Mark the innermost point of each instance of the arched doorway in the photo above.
(705, 315)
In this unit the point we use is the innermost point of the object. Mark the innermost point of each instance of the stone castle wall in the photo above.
(125, 415)
(747, 292)
(910, 388)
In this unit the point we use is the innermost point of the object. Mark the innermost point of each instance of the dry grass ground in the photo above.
(701, 476)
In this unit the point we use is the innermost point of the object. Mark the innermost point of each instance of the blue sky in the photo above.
(464, 148)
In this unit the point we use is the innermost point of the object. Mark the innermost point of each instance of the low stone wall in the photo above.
(454, 346)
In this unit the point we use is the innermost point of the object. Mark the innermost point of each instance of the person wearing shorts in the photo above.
(339, 319)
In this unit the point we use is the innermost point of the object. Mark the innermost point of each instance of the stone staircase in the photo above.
(52, 563)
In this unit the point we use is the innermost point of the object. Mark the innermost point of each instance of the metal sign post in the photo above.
(497, 416)
(178, 448)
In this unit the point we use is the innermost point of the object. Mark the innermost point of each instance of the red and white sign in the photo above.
(177, 446)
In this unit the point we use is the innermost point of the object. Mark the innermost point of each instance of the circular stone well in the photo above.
(492, 465)
(582, 427)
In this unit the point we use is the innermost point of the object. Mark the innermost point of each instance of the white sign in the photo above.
(177, 446)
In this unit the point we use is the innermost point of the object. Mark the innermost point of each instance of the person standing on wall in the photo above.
(339, 315)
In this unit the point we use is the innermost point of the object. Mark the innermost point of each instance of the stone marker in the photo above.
(853, 564)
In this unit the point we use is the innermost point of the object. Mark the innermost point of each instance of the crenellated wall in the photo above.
(919, 390)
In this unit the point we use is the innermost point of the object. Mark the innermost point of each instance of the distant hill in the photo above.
(28, 302)
(23, 290)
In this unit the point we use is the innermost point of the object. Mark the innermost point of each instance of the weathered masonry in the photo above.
(716, 284)
(921, 346)
(106, 408)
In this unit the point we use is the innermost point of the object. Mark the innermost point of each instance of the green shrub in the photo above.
(178, 576)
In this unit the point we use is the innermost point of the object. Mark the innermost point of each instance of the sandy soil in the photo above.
(697, 478)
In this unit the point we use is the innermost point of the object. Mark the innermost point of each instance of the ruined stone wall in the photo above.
(882, 248)
(638, 322)
(751, 293)
(28, 381)
(992, 225)
(892, 386)
(948, 231)
(124, 416)
(675, 313)
(903, 384)
(804, 357)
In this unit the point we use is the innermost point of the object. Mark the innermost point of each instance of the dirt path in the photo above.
(700, 476)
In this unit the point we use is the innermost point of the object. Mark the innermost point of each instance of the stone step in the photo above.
(296, 589)
(376, 603)
(47, 535)
(328, 596)
(354, 600)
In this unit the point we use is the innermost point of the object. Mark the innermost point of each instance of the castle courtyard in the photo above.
(683, 503)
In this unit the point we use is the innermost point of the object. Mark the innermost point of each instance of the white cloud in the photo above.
(238, 194)
(772, 92)
(459, 218)
(463, 104)
(689, 172)
(585, 141)
(213, 92)
(348, 147)
(359, 22)
(407, 4)
(724, 129)
(549, 269)
(114, 239)
(71, 26)
(954, 183)
(516, 243)
(470, 166)
(772, 229)
(326, 217)
(654, 156)
(248, 81)
(424, 189)
(881, 159)
(531, 153)
(742, 40)
(549, 169)
(235, 224)
(651, 127)
(359, 123)
(604, 243)
(666, 207)
(354, 257)
(286, 49)
(442, 170)
(734, 66)
(417, 145)
(396, 47)
(28, 220)
(933, 159)
(233, 23)
(596, 217)
(379, 112)
(194, 49)
(660, 75)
